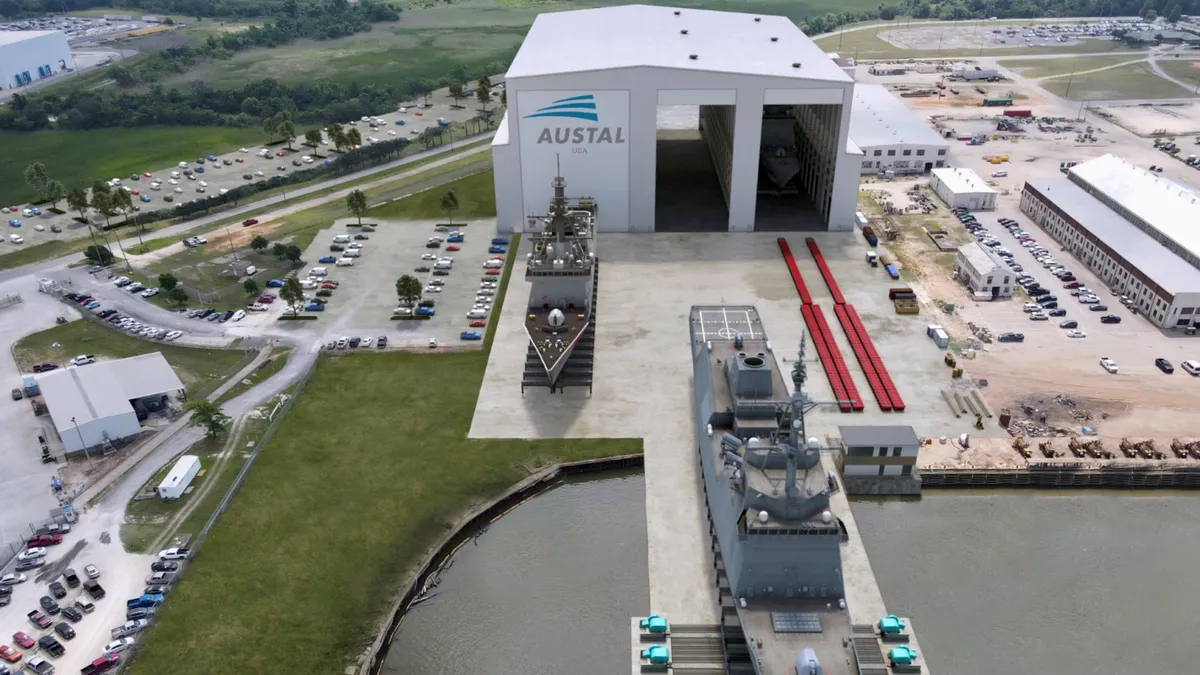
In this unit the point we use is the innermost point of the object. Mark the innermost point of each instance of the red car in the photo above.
(493, 272)
(9, 654)
(280, 153)
(331, 285)
(147, 174)
(477, 323)
(249, 221)
(44, 540)
(23, 640)
(135, 192)
(453, 247)
(266, 299)
(239, 160)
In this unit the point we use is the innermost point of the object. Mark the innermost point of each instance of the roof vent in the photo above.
(757, 19)
(796, 64)
(774, 39)
(676, 12)
(693, 56)
(683, 32)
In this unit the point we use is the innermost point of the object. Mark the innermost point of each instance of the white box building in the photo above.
(963, 188)
(176, 482)
(30, 55)
(1136, 230)
(583, 93)
(983, 272)
(93, 405)
(892, 137)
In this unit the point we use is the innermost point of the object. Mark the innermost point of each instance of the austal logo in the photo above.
(577, 108)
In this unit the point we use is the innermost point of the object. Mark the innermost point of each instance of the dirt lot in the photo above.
(1174, 119)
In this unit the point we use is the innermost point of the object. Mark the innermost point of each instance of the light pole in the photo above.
(82, 444)
(232, 249)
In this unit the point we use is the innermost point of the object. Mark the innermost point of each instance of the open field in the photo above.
(370, 509)
(901, 42)
(1039, 68)
(476, 199)
(1185, 71)
(145, 518)
(200, 370)
(1134, 81)
(79, 157)
(274, 363)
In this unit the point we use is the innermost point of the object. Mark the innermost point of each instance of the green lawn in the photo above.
(333, 516)
(1126, 82)
(867, 45)
(200, 370)
(1039, 68)
(278, 359)
(79, 157)
(476, 199)
(145, 518)
(1182, 70)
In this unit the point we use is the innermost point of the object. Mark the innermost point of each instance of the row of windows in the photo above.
(899, 164)
(920, 153)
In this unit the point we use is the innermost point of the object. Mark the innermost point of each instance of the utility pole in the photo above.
(232, 249)
(82, 444)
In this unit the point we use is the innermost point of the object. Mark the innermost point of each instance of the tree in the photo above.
(281, 126)
(123, 77)
(1175, 13)
(167, 281)
(427, 88)
(251, 287)
(37, 178)
(312, 137)
(294, 253)
(356, 203)
(77, 200)
(292, 294)
(54, 193)
(450, 204)
(259, 243)
(208, 415)
(279, 250)
(122, 201)
(484, 95)
(456, 92)
(504, 96)
(408, 288)
(353, 137)
(177, 295)
(484, 82)
(99, 255)
(1150, 15)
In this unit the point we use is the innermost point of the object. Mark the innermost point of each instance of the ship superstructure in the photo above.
(777, 541)
(562, 269)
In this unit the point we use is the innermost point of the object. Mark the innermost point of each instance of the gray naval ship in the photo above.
(777, 543)
(563, 271)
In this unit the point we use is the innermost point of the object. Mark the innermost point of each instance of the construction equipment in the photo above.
(979, 420)
(872, 259)
(1047, 449)
(1194, 449)
(950, 360)
(1096, 449)
(1147, 450)
(957, 373)
(1076, 447)
(1179, 448)
(1128, 449)
(1022, 446)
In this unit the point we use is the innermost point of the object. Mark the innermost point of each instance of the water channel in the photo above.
(549, 588)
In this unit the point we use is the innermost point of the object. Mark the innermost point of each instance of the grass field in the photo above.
(1184, 71)
(79, 157)
(476, 199)
(866, 45)
(145, 518)
(278, 359)
(333, 516)
(1039, 68)
(1115, 84)
(200, 370)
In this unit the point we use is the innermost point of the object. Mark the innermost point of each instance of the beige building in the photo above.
(880, 459)
(983, 272)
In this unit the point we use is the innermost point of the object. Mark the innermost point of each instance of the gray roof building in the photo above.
(879, 436)
(879, 117)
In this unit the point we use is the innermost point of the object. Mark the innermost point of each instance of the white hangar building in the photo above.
(30, 55)
(892, 137)
(772, 152)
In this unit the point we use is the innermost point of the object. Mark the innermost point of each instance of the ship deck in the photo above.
(554, 343)
(777, 651)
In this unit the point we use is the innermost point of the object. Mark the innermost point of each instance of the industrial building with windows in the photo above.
(101, 403)
(892, 137)
(772, 152)
(1135, 229)
(30, 55)
(983, 272)
(963, 189)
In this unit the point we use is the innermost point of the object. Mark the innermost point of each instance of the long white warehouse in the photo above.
(773, 148)
(892, 137)
(30, 55)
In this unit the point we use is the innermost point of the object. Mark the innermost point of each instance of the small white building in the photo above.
(963, 188)
(892, 137)
(976, 74)
(983, 272)
(180, 477)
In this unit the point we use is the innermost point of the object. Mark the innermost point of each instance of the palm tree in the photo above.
(77, 200)
(450, 204)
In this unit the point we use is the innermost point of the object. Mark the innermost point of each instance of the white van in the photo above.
(174, 174)
(1192, 367)
(493, 265)
(342, 239)
(308, 284)
(318, 272)
(477, 314)
(16, 239)
(443, 265)
(352, 253)
(345, 262)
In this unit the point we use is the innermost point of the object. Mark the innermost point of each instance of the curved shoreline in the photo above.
(476, 519)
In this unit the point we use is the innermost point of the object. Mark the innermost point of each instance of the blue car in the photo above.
(399, 123)
(327, 259)
(212, 158)
(93, 304)
(425, 311)
(455, 239)
(275, 283)
(497, 249)
(14, 222)
(329, 162)
(314, 307)
(470, 335)
(199, 169)
(144, 198)
(499, 241)
(36, 211)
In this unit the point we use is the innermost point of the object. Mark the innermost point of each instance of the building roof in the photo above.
(962, 181)
(179, 471)
(1167, 270)
(11, 37)
(1161, 203)
(104, 389)
(872, 436)
(982, 258)
(630, 36)
(878, 117)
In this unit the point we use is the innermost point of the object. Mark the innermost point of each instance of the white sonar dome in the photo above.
(763, 516)
(754, 442)
(826, 516)
(557, 319)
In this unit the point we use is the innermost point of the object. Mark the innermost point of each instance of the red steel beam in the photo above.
(825, 273)
(820, 344)
(880, 370)
(796, 278)
(839, 364)
(864, 359)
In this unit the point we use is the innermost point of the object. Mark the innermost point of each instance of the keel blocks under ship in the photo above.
(575, 369)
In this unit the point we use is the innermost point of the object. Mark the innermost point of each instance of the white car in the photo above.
(257, 307)
(238, 315)
(92, 572)
(493, 264)
(999, 174)
(203, 183)
(173, 335)
(149, 293)
(486, 290)
(120, 281)
(118, 646)
(1076, 334)
(83, 360)
(1039, 316)
(402, 311)
(428, 256)
(178, 190)
(243, 150)
(366, 342)
(1108, 364)
(259, 173)
(172, 181)
(10, 579)
(354, 246)
(433, 289)
(31, 553)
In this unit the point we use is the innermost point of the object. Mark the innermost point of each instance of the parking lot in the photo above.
(365, 299)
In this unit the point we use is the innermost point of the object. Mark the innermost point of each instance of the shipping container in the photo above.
(1018, 113)
(177, 481)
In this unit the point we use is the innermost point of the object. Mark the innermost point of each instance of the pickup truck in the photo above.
(53, 528)
(71, 578)
(83, 360)
(101, 665)
(161, 578)
(39, 665)
(39, 618)
(144, 601)
(175, 554)
(129, 628)
(43, 540)
(53, 647)
(95, 590)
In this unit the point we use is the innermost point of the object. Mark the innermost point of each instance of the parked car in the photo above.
(58, 590)
(9, 654)
(1110, 318)
(64, 630)
(31, 552)
(1164, 365)
(164, 566)
(470, 335)
(1108, 365)
(72, 613)
(12, 578)
(29, 564)
(1011, 337)
(22, 640)
(49, 605)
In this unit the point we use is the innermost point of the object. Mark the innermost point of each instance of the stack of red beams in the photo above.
(818, 328)
(877, 376)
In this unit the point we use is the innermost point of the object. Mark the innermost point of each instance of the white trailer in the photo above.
(179, 478)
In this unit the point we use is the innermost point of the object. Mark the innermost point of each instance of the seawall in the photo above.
(1064, 476)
